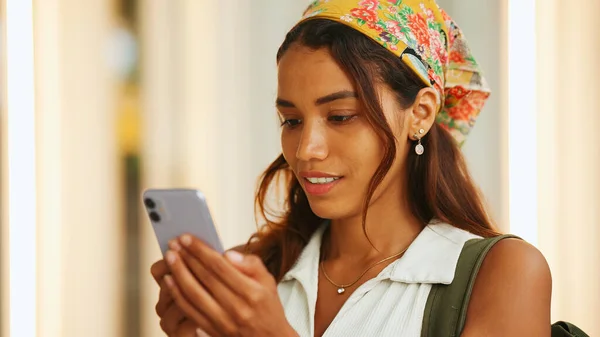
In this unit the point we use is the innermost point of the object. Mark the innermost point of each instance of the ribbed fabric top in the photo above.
(392, 303)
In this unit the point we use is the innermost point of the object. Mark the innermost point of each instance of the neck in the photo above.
(390, 226)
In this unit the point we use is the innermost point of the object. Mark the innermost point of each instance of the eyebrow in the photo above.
(321, 100)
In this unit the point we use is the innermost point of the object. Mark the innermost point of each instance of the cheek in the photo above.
(363, 150)
(289, 146)
(398, 124)
(370, 150)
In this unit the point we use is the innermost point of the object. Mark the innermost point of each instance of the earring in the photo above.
(419, 148)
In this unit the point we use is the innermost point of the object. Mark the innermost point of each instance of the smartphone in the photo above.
(174, 212)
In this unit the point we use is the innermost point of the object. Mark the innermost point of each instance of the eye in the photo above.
(341, 119)
(291, 123)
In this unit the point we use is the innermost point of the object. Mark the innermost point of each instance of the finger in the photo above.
(227, 298)
(158, 270)
(201, 333)
(188, 328)
(171, 319)
(200, 319)
(165, 299)
(217, 264)
(192, 298)
(251, 266)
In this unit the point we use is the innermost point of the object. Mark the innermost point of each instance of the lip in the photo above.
(317, 174)
(318, 189)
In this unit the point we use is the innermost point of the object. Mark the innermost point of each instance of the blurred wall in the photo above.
(484, 25)
(209, 121)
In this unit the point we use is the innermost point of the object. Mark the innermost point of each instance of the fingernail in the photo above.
(174, 245)
(234, 256)
(186, 240)
(169, 280)
(201, 333)
(170, 256)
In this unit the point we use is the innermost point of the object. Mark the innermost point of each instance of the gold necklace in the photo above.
(342, 287)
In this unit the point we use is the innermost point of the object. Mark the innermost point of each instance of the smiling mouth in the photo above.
(322, 180)
(320, 186)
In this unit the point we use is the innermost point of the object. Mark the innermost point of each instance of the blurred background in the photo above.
(100, 99)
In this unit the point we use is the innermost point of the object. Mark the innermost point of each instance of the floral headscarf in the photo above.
(429, 42)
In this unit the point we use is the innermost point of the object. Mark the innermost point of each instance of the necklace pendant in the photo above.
(341, 290)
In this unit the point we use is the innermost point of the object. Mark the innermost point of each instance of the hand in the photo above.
(236, 296)
(172, 320)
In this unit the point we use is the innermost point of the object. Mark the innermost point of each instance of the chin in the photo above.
(330, 209)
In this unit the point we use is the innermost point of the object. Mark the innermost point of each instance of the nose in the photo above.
(313, 142)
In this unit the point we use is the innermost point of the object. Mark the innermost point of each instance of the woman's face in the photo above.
(327, 139)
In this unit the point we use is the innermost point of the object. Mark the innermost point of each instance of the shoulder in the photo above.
(512, 293)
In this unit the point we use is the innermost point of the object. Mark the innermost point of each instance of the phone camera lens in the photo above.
(149, 203)
(154, 216)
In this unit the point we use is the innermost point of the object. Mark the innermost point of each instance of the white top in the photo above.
(391, 304)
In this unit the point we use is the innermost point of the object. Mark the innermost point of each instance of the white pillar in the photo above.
(569, 156)
(522, 128)
(80, 235)
(92, 237)
(50, 193)
(4, 265)
(159, 88)
(21, 169)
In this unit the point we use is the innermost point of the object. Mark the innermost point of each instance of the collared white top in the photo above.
(391, 304)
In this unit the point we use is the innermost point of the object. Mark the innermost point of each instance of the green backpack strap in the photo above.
(446, 308)
(566, 329)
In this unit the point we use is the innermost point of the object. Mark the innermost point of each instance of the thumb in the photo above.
(250, 265)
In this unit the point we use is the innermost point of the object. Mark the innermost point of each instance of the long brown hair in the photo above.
(439, 184)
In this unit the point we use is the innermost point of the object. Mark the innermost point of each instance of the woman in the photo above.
(375, 98)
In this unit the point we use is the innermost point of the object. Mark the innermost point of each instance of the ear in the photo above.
(421, 115)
